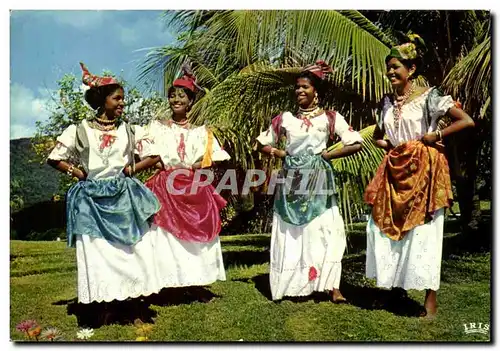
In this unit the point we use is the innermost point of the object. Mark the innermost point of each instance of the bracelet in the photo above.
(439, 134)
(70, 170)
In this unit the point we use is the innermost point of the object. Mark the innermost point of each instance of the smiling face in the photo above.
(398, 73)
(179, 101)
(305, 92)
(114, 103)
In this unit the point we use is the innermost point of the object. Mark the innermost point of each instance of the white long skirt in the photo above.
(412, 263)
(182, 263)
(109, 271)
(296, 249)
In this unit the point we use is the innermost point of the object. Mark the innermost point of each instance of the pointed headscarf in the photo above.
(94, 81)
(188, 80)
(320, 69)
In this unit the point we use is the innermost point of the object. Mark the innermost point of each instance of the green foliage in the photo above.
(470, 78)
(32, 182)
(16, 199)
(69, 107)
(353, 173)
(49, 235)
(226, 41)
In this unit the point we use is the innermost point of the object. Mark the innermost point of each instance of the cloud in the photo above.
(26, 108)
(132, 34)
(129, 35)
(130, 27)
(82, 20)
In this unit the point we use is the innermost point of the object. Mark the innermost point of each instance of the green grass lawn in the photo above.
(43, 287)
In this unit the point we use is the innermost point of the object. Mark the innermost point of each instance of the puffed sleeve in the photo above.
(271, 135)
(218, 153)
(65, 148)
(144, 141)
(348, 135)
(439, 106)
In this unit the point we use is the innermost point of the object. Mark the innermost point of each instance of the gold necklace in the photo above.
(104, 128)
(308, 109)
(181, 123)
(106, 121)
(398, 103)
(309, 112)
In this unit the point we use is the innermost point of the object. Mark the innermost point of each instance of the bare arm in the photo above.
(270, 151)
(461, 120)
(64, 167)
(378, 138)
(148, 162)
(343, 152)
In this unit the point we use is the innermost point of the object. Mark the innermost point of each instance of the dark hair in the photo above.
(316, 82)
(96, 97)
(191, 95)
(407, 63)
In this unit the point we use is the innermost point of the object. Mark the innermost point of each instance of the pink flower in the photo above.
(313, 273)
(26, 325)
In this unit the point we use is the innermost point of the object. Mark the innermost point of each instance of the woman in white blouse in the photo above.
(412, 186)
(308, 237)
(187, 249)
(107, 210)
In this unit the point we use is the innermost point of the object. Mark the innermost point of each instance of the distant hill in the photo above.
(39, 182)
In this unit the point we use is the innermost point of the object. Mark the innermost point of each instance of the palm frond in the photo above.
(160, 63)
(353, 173)
(470, 78)
(345, 39)
(228, 41)
(358, 18)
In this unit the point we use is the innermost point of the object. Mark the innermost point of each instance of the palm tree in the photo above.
(470, 81)
(248, 61)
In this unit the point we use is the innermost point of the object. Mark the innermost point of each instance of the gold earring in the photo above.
(315, 100)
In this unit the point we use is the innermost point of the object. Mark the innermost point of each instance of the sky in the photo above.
(45, 45)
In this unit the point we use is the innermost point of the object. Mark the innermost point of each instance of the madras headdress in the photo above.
(320, 69)
(409, 50)
(188, 80)
(94, 81)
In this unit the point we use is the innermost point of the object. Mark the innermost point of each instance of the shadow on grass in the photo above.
(368, 298)
(261, 283)
(395, 301)
(181, 296)
(354, 287)
(96, 315)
